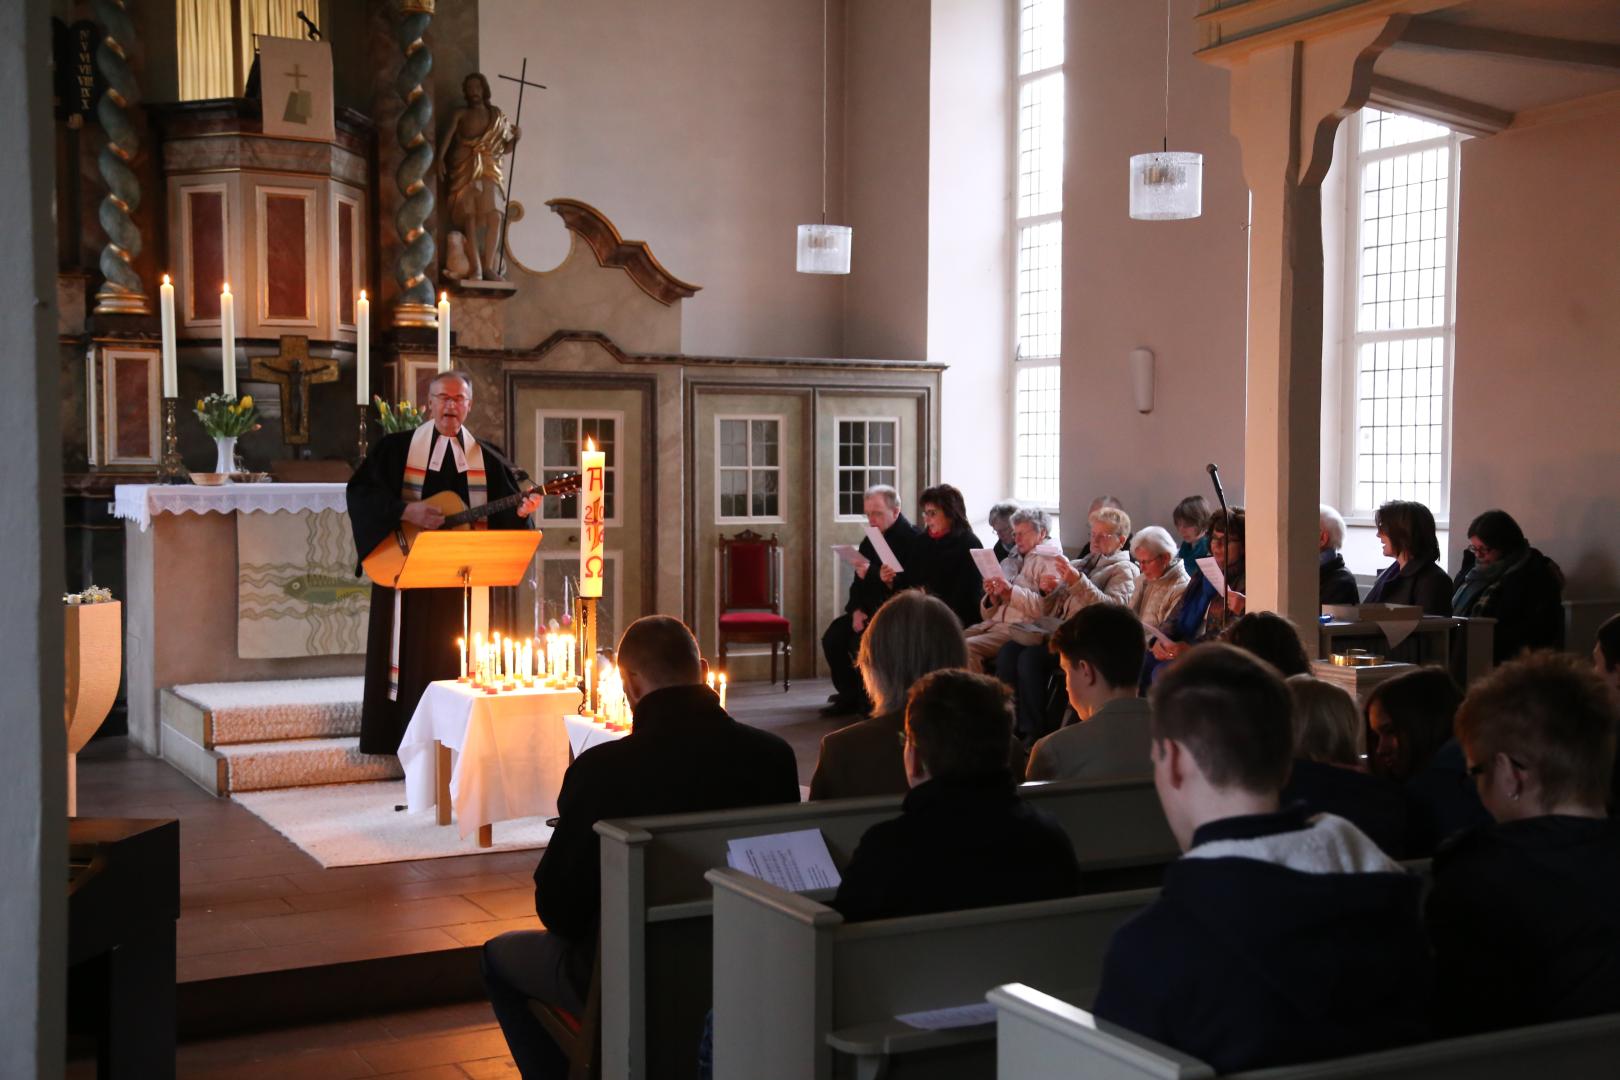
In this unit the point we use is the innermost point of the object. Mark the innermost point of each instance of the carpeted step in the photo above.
(232, 713)
(264, 766)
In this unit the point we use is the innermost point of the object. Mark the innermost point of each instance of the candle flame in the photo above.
(225, 289)
(165, 279)
(590, 445)
(362, 294)
(444, 298)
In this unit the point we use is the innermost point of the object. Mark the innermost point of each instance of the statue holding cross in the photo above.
(477, 137)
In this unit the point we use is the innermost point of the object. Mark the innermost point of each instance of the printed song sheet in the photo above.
(885, 553)
(852, 555)
(989, 568)
(795, 861)
(955, 1016)
(1212, 573)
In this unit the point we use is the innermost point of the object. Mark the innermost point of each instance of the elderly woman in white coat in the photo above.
(1020, 599)
(1163, 576)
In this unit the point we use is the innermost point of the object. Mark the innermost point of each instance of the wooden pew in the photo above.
(657, 909)
(1039, 1037)
(793, 983)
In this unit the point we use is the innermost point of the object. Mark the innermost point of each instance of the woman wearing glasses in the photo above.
(1525, 912)
(1502, 577)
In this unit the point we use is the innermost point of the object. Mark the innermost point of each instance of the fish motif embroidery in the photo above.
(324, 588)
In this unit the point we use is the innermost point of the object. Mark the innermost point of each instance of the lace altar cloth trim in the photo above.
(139, 502)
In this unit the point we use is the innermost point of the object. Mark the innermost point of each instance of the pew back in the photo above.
(826, 980)
(656, 907)
(1040, 1037)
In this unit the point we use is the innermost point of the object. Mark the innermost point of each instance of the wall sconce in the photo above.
(1142, 378)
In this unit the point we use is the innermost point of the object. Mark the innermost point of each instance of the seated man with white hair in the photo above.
(1338, 584)
(1163, 576)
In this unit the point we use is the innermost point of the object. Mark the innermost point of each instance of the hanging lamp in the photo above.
(1167, 185)
(824, 248)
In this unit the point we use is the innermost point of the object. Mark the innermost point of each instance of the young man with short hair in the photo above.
(1101, 651)
(1277, 938)
(964, 838)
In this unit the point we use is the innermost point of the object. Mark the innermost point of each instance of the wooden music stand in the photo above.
(465, 560)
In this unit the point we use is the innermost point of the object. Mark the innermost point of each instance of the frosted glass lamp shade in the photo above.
(1167, 186)
(824, 249)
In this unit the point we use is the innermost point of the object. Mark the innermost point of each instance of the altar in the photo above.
(186, 570)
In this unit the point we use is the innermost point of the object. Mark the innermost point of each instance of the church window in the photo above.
(1038, 242)
(749, 467)
(560, 437)
(1399, 311)
(867, 455)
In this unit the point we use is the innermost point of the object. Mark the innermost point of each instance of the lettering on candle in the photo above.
(593, 520)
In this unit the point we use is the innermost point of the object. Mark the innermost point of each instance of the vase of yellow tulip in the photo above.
(225, 418)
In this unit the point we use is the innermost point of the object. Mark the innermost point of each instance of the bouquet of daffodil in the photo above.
(401, 417)
(227, 417)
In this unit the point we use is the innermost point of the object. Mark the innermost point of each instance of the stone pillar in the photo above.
(1287, 101)
(414, 132)
(123, 292)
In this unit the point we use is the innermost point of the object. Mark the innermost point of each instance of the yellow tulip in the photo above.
(247, 402)
(199, 405)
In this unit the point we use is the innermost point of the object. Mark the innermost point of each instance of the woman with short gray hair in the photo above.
(1163, 576)
(1001, 523)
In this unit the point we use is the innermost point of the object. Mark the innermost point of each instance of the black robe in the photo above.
(430, 618)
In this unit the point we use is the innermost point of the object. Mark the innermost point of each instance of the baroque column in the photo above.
(415, 134)
(122, 293)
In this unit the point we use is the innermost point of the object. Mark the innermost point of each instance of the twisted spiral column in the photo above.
(415, 134)
(122, 293)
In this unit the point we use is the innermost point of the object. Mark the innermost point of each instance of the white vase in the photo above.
(225, 462)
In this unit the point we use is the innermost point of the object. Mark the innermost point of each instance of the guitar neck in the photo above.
(560, 486)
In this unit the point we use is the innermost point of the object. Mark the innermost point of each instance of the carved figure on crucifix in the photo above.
(478, 136)
(294, 373)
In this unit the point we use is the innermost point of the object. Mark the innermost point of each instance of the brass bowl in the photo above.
(1356, 658)
(210, 479)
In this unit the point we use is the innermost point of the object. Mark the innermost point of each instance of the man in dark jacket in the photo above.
(1277, 938)
(1503, 578)
(1338, 584)
(964, 838)
(683, 755)
(866, 594)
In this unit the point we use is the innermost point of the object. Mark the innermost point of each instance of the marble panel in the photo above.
(286, 257)
(205, 214)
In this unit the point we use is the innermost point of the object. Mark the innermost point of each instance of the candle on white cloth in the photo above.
(171, 367)
(461, 654)
(444, 332)
(362, 351)
(227, 340)
(722, 690)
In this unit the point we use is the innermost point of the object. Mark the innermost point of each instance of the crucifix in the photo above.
(294, 373)
(299, 104)
(522, 79)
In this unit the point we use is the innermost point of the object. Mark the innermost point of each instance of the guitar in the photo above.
(387, 559)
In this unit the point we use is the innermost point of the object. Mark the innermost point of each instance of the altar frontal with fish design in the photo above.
(296, 593)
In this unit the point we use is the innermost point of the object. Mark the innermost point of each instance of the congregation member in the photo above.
(1101, 650)
(1327, 776)
(683, 755)
(910, 636)
(1191, 519)
(944, 553)
(1337, 584)
(1525, 912)
(964, 837)
(407, 637)
(1277, 937)
(1503, 578)
(1606, 657)
(1273, 639)
(1411, 742)
(1406, 529)
(1163, 577)
(1001, 524)
(867, 593)
(1019, 598)
(1200, 614)
(1099, 503)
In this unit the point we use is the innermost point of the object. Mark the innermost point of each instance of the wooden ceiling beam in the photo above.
(1432, 33)
(1459, 114)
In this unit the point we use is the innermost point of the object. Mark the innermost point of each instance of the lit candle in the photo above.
(722, 690)
(171, 367)
(711, 678)
(444, 332)
(587, 684)
(227, 340)
(461, 654)
(362, 350)
(592, 523)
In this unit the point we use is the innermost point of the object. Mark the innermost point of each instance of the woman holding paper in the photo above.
(1200, 614)
(1104, 573)
(1007, 603)
(944, 553)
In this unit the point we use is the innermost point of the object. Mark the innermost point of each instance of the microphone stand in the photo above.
(1226, 549)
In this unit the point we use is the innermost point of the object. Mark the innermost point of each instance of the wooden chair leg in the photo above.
(773, 662)
(787, 664)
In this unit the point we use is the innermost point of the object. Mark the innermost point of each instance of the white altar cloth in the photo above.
(510, 751)
(584, 734)
(139, 502)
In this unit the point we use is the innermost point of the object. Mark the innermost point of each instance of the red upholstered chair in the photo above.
(751, 598)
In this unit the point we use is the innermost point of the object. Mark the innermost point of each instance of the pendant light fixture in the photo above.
(824, 248)
(1167, 186)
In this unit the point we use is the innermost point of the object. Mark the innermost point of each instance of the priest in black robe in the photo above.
(430, 619)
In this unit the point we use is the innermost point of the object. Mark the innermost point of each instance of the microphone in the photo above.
(1215, 478)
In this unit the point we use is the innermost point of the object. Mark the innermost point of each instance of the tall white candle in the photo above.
(227, 340)
(444, 332)
(171, 368)
(362, 350)
(592, 522)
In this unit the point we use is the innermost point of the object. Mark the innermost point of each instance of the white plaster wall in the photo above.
(695, 127)
(886, 148)
(1536, 429)
(1178, 288)
(969, 252)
